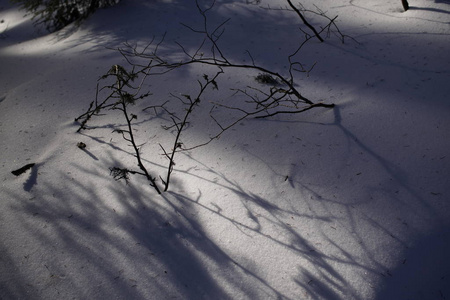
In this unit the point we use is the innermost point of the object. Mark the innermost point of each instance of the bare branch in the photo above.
(180, 126)
(279, 94)
(305, 21)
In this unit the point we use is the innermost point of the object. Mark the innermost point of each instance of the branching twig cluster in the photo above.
(120, 99)
(328, 29)
(284, 96)
(280, 94)
(190, 103)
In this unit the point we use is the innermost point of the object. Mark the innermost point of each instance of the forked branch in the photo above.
(279, 94)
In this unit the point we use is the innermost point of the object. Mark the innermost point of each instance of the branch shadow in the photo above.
(138, 246)
(356, 221)
(319, 272)
(431, 9)
(32, 178)
(123, 241)
(13, 283)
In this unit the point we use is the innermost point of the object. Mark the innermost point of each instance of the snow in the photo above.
(343, 203)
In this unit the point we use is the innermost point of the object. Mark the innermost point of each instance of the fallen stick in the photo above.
(23, 169)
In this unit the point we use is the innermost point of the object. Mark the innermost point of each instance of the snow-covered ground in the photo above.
(345, 203)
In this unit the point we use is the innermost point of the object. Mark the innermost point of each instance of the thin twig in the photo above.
(305, 21)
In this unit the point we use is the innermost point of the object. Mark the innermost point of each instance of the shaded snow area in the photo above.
(350, 202)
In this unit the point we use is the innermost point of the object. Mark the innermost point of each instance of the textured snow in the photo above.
(343, 203)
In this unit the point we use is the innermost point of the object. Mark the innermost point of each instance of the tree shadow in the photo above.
(424, 272)
(393, 222)
(321, 261)
(261, 210)
(12, 283)
(248, 30)
(123, 241)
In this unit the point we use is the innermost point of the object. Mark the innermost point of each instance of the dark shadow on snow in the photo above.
(431, 9)
(427, 265)
(32, 178)
(166, 246)
(126, 246)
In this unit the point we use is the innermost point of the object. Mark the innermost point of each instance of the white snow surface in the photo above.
(351, 202)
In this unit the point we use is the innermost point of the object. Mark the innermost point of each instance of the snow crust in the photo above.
(345, 203)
